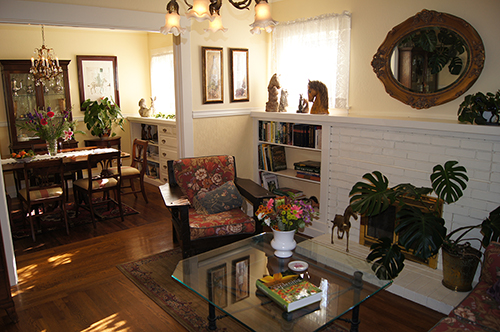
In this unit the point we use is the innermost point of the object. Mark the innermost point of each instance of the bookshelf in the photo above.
(162, 137)
(301, 137)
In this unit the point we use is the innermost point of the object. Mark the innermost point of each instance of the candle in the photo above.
(32, 62)
(57, 61)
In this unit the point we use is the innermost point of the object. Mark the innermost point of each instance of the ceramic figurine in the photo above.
(283, 101)
(272, 104)
(303, 105)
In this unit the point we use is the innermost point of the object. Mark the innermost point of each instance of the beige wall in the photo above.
(372, 20)
(131, 49)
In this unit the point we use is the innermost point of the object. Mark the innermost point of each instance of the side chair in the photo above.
(42, 193)
(100, 180)
(136, 170)
(205, 200)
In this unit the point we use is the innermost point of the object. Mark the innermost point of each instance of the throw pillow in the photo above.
(223, 198)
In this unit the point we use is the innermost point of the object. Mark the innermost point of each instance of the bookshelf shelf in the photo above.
(291, 174)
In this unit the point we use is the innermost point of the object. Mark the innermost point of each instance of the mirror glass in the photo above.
(429, 59)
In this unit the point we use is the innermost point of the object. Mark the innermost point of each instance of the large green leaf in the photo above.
(387, 259)
(490, 228)
(421, 232)
(371, 198)
(449, 181)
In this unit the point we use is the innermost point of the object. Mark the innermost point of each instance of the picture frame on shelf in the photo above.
(217, 285)
(98, 77)
(240, 278)
(213, 83)
(270, 181)
(238, 74)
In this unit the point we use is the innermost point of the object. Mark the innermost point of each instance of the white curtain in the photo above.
(162, 82)
(314, 49)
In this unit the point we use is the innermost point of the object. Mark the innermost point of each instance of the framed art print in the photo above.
(217, 285)
(241, 278)
(238, 67)
(213, 85)
(98, 77)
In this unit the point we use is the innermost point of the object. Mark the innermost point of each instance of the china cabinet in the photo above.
(22, 96)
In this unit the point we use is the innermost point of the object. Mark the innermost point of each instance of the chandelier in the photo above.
(202, 10)
(44, 64)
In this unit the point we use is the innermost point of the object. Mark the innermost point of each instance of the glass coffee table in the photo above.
(225, 277)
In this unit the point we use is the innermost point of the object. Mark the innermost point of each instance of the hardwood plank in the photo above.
(71, 283)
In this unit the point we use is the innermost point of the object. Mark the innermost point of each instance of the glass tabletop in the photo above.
(226, 277)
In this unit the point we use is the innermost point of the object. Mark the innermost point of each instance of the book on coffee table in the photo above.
(289, 292)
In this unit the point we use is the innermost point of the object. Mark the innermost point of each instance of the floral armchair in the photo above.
(205, 199)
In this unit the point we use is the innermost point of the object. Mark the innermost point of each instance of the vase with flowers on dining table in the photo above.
(50, 125)
(285, 215)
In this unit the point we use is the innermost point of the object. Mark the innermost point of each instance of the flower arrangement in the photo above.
(286, 214)
(48, 125)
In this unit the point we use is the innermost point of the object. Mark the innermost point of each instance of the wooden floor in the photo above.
(71, 283)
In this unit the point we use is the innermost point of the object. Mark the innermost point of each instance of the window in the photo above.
(314, 49)
(162, 82)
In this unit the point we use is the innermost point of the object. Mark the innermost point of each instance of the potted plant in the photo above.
(480, 108)
(101, 115)
(419, 225)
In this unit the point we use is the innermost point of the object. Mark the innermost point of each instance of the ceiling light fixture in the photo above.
(44, 65)
(202, 10)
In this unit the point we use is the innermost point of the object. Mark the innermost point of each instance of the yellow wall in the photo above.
(131, 49)
(372, 20)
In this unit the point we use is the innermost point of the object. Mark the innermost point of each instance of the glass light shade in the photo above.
(263, 19)
(172, 25)
(200, 11)
(216, 25)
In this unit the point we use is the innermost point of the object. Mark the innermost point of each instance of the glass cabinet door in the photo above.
(24, 101)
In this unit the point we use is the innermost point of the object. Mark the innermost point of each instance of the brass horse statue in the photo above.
(343, 224)
(318, 94)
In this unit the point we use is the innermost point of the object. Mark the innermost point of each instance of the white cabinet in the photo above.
(302, 137)
(162, 137)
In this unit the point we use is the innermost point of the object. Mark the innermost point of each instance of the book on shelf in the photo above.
(269, 181)
(290, 292)
(278, 158)
(297, 194)
(308, 166)
(308, 176)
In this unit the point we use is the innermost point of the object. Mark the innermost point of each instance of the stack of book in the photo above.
(272, 158)
(295, 193)
(308, 169)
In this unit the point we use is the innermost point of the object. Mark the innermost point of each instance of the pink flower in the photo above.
(68, 134)
(270, 203)
(296, 210)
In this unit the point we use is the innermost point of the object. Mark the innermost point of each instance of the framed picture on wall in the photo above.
(98, 77)
(238, 75)
(213, 84)
(217, 285)
(240, 278)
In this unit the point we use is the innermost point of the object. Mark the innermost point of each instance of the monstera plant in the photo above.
(419, 225)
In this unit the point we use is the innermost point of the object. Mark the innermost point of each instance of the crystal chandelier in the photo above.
(44, 64)
(209, 10)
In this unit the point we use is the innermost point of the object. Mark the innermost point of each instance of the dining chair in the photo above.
(42, 193)
(136, 170)
(99, 180)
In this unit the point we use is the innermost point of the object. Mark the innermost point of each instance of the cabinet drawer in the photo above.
(167, 154)
(165, 140)
(167, 130)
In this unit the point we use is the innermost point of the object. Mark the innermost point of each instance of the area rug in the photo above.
(153, 276)
(21, 228)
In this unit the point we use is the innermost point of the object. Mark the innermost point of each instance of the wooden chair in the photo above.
(99, 180)
(42, 193)
(136, 170)
(209, 184)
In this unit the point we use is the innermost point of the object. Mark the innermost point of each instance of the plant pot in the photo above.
(283, 243)
(459, 268)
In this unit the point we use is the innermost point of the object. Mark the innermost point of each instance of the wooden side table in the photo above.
(107, 142)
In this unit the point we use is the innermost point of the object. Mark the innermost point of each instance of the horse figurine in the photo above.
(318, 94)
(343, 224)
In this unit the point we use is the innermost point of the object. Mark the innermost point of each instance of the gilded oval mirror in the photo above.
(429, 59)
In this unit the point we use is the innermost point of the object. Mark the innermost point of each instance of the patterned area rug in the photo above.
(21, 228)
(153, 276)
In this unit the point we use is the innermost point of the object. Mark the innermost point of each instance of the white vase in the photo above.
(283, 243)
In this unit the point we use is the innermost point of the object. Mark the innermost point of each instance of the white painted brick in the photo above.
(495, 167)
(442, 141)
(456, 153)
(372, 134)
(476, 144)
(496, 157)
(495, 188)
(479, 175)
(409, 147)
(487, 156)
(473, 202)
(495, 177)
(394, 153)
(474, 164)
(479, 185)
(414, 138)
(394, 136)
(485, 195)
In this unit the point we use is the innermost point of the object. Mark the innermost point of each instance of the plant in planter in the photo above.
(419, 226)
(480, 108)
(101, 115)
